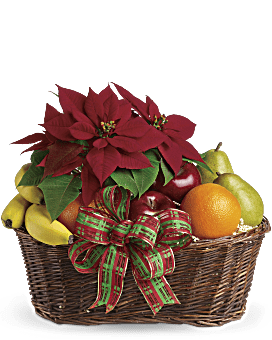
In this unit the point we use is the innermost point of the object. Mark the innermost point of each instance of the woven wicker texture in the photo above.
(212, 279)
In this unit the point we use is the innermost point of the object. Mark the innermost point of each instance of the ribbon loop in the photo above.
(175, 228)
(93, 253)
(114, 201)
(93, 225)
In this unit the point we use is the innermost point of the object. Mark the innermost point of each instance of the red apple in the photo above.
(149, 203)
(187, 178)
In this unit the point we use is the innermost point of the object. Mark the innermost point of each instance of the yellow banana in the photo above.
(14, 213)
(39, 225)
(32, 194)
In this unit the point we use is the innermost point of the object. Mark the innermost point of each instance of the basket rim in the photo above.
(264, 227)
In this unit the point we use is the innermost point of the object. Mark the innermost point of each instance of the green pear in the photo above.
(218, 161)
(252, 207)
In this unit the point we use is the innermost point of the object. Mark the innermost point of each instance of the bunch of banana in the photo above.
(28, 206)
(14, 213)
(40, 226)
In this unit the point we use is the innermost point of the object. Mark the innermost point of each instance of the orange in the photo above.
(69, 215)
(214, 211)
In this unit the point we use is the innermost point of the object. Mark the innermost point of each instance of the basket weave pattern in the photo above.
(212, 279)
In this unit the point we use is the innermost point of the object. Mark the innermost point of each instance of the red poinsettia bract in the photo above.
(176, 130)
(116, 137)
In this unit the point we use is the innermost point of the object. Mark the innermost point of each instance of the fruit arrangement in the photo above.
(100, 143)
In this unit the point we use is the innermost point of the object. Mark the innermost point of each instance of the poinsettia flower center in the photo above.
(159, 122)
(106, 128)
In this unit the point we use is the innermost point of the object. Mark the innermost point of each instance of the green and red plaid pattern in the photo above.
(108, 240)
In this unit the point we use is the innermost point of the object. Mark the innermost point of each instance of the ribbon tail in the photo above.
(157, 293)
(111, 275)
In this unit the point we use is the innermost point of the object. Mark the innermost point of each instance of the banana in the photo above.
(33, 194)
(39, 225)
(14, 213)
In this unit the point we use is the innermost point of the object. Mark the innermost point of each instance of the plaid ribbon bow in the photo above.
(108, 240)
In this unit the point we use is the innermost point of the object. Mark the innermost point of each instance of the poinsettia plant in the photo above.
(101, 140)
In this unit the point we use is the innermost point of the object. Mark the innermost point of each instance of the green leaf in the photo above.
(80, 142)
(59, 191)
(85, 149)
(37, 156)
(109, 182)
(203, 165)
(157, 152)
(167, 172)
(34, 174)
(124, 178)
(144, 178)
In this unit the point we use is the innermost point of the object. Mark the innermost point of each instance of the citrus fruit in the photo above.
(69, 215)
(214, 211)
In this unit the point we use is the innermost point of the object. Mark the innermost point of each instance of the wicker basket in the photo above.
(212, 279)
